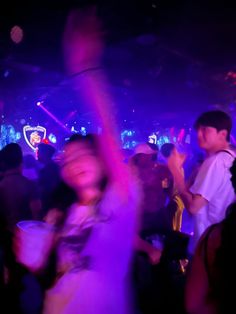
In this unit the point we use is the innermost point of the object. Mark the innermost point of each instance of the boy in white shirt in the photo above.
(212, 191)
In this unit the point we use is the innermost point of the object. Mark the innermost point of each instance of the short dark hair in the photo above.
(12, 156)
(217, 119)
(166, 149)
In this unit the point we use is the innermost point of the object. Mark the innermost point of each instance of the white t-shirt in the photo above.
(95, 253)
(213, 183)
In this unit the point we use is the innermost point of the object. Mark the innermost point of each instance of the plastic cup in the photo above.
(34, 242)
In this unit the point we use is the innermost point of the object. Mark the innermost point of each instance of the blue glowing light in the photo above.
(127, 139)
(162, 140)
(83, 131)
(18, 136)
(52, 138)
(8, 135)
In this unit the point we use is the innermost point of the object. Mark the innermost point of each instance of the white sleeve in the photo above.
(209, 178)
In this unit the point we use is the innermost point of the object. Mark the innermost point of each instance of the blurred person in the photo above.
(19, 200)
(156, 183)
(211, 192)
(49, 175)
(91, 246)
(95, 244)
(168, 150)
(154, 179)
(63, 197)
(159, 247)
(18, 196)
(30, 167)
(211, 278)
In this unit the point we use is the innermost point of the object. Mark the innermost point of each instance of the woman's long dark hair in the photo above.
(225, 261)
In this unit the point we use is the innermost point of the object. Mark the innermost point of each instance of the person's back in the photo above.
(30, 167)
(16, 191)
(49, 176)
(156, 183)
(18, 201)
(212, 275)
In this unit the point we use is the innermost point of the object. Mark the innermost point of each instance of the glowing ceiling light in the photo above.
(16, 34)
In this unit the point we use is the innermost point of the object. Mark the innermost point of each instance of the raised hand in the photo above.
(82, 40)
(176, 160)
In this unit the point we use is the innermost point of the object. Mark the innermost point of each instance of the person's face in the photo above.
(81, 168)
(209, 138)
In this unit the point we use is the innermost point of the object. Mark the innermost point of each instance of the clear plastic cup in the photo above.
(34, 242)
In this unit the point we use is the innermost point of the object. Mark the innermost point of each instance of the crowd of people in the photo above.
(118, 244)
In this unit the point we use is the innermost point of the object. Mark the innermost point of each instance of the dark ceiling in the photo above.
(163, 58)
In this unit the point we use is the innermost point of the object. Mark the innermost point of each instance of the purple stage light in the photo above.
(40, 104)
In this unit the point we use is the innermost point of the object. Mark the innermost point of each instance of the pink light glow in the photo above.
(52, 116)
(181, 135)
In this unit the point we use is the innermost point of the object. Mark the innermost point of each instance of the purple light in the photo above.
(40, 104)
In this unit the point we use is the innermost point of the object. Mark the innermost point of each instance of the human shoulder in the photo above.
(210, 241)
(225, 153)
(213, 233)
(221, 157)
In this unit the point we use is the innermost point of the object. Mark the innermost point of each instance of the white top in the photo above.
(95, 253)
(213, 183)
